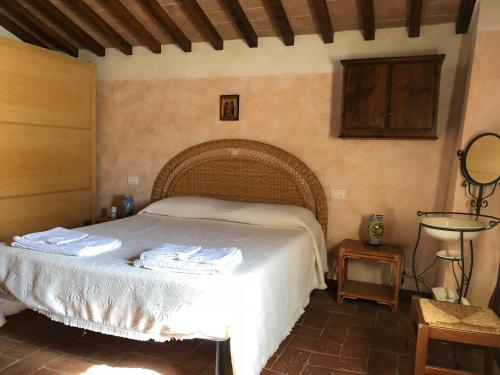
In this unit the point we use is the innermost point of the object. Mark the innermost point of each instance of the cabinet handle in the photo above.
(389, 113)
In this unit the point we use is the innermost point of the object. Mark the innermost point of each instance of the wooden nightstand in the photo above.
(381, 293)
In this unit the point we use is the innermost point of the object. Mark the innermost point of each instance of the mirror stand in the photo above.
(480, 166)
(486, 188)
(478, 200)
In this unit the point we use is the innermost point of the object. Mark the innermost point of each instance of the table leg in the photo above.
(340, 277)
(397, 281)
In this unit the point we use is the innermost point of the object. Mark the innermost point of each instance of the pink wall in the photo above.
(150, 107)
(480, 114)
(299, 113)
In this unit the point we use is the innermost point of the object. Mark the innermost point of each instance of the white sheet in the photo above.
(256, 305)
(276, 215)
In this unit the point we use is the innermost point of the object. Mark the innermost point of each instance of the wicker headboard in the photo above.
(242, 170)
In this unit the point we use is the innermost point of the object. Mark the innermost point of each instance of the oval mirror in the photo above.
(481, 159)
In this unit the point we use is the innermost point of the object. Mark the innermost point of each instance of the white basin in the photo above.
(446, 228)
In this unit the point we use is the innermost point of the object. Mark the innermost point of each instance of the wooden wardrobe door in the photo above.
(47, 142)
(365, 96)
(413, 96)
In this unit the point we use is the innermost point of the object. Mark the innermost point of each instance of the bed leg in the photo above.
(221, 357)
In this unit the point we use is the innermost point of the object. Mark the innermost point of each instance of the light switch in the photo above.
(133, 180)
(337, 194)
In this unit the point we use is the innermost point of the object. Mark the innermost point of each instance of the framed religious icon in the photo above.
(229, 108)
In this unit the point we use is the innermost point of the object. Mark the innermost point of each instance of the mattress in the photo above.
(256, 305)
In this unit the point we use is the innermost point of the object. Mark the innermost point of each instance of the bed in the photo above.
(220, 193)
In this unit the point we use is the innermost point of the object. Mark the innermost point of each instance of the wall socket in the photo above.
(337, 194)
(133, 180)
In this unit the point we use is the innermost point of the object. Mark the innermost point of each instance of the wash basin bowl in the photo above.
(448, 228)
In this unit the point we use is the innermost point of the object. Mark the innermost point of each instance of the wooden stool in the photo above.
(454, 323)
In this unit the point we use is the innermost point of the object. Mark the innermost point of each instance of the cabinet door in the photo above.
(47, 139)
(365, 96)
(391, 97)
(413, 97)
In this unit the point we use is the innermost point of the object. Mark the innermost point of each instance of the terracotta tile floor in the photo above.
(353, 338)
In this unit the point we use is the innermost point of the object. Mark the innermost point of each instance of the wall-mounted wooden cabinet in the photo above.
(391, 97)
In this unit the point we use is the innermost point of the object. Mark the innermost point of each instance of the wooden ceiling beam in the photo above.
(37, 26)
(54, 15)
(367, 18)
(128, 20)
(89, 16)
(464, 16)
(18, 31)
(323, 21)
(414, 18)
(242, 22)
(198, 16)
(156, 11)
(278, 15)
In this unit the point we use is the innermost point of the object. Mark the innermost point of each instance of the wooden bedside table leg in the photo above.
(340, 278)
(397, 283)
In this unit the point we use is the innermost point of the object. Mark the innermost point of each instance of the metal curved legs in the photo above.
(415, 276)
(462, 284)
(462, 262)
(471, 249)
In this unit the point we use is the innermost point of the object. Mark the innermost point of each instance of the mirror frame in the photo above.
(462, 154)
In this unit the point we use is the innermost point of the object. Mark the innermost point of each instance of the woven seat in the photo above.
(455, 323)
(460, 317)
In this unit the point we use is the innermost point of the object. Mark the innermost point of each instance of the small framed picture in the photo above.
(229, 108)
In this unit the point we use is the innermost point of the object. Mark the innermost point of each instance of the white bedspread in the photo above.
(256, 305)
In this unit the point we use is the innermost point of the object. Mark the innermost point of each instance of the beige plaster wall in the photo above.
(150, 107)
(480, 114)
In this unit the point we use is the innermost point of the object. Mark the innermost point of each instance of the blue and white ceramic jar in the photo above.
(128, 205)
(375, 229)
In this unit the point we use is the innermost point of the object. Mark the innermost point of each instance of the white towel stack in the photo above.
(170, 251)
(66, 242)
(190, 259)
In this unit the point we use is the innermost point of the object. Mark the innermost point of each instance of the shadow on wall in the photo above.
(336, 105)
(449, 168)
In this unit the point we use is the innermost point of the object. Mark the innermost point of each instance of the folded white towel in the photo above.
(217, 257)
(186, 267)
(88, 246)
(170, 251)
(56, 236)
(204, 261)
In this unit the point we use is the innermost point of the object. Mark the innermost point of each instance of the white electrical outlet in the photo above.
(133, 180)
(337, 194)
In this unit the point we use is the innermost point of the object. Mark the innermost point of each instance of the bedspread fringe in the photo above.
(109, 330)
